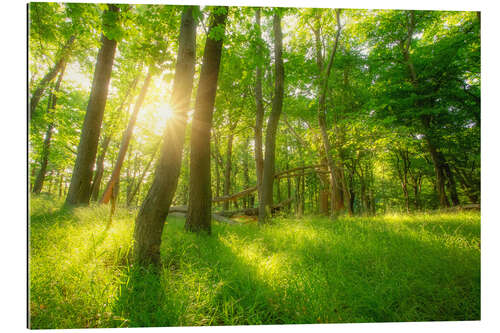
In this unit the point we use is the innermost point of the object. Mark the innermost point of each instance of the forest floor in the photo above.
(421, 267)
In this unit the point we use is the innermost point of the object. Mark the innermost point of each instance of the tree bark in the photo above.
(79, 189)
(96, 183)
(154, 209)
(451, 185)
(246, 176)
(127, 136)
(266, 200)
(227, 169)
(37, 188)
(199, 214)
(440, 175)
(259, 110)
(334, 177)
(59, 66)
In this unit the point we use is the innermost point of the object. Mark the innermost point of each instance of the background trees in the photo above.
(393, 96)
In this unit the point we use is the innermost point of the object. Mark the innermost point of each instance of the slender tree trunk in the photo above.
(60, 183)
(32, 178)
(79, 189)
(40, 178)
(199, 213)
(51, 181)
(246, 176)
(37, 188)
(127, 135)
(289, 192)
(266, 200)
(303, 193)
(259, 111)
(334, 177)
(139, 181)
(218, 164)
(59, 66)
(227, 169)
(96, 183)
(154, 209)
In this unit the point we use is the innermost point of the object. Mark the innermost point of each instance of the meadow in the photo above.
(390, 268)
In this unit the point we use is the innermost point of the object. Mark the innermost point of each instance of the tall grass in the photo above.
(312, 270)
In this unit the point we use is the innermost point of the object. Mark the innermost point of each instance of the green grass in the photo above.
(420, 267)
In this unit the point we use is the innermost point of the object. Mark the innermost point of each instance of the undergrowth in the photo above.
(420, 267)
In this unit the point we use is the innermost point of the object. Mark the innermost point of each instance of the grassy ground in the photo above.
(311, 270)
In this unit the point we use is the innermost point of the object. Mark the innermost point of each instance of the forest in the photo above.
(221, 165)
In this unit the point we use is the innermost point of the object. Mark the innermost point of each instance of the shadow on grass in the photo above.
(345, 272)
(201, 282)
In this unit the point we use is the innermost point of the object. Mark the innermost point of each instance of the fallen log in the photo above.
(235, 196)
(472, 207)
(181, 211)
(288, 175)
(254, 211)
(282, 174)
(317, 166)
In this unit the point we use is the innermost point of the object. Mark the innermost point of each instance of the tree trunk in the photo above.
(127, 135)
(79, 189)
(96, 183)
(199, 214)
(37, 188)
(336, 204)
(59, 66)
(266, 200)
(259, 111)
(138, 183)
(440, 175)
(227, 169)
(154, 209)
(60, 184)
(451, 185)
(246, 176)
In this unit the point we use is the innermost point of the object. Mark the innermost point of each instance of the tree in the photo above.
(266, 201)
(259, 106)
(79, 189)
(199, 213)
(154, 209)
(37, 187)
(58, 67)
(127, 135)
(335, 182)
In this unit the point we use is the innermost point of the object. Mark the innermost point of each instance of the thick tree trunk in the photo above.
(440, 175)
(59, 66)
(127, 136)
(37, 188)
(199, 214)
(79, 189)
(266, 200)
(451, 185)
(259, 110)
(154, 209)
(96, 183)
